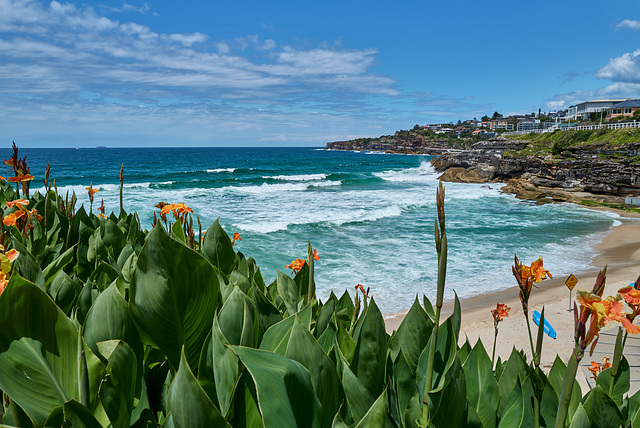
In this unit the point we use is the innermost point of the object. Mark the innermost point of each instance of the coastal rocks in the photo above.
(580, 176)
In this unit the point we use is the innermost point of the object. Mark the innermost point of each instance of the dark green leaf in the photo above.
(174, 295)
(482, 388)
(285, 392)
(217, 248)
(371, 350)
(188, 403)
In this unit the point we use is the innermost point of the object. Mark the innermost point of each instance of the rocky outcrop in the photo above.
(402, 142)
(603, 173)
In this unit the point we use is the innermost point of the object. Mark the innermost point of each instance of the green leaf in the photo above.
(515, 370)
(77, 415)
(174, 295)
(371, 350)
(117, 391)
(412, 335)
(456, 317)
(58, 264)
(27, 265)
(428, 307)
(109, 319)
(513, 413)
(378, 414)
(304, 348)
(580, 418)
(36, 353)
(287, 290)
(178, 233)
(217, 248)
(359, 399)
(189, 404)
(226, 368)
(64, 291)
(482, 388)
(285, 392)
(268, 314)
(404, 383)
(103, 275)
(621, 382)
(236, 319)
(601, 409)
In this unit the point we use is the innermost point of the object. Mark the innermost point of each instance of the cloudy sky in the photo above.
(292, 73)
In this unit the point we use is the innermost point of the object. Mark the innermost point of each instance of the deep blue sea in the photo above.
(370, 215)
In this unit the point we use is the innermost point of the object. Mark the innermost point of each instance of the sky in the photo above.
(297, 73)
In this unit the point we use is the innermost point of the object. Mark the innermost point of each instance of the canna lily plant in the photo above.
(499, 313)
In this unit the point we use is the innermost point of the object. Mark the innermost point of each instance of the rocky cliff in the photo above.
(407, 142)
(596, 172)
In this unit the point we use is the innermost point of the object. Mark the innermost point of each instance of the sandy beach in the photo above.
(619, 250)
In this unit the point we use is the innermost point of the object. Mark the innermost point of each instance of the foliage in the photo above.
(105, 323)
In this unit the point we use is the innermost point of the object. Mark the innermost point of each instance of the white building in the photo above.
(583, 109)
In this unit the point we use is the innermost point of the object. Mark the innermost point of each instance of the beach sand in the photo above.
(619, 250)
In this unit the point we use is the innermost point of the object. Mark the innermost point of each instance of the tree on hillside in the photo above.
(496, 115)
(485, 118)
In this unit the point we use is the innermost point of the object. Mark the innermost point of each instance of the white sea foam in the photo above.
(301, 177)
(216, 170)
(424, 173)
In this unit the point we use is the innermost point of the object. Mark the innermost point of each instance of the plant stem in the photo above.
(567, 388)
(493, 354)
(533, 351)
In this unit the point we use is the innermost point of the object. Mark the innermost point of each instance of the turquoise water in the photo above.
(370, 215)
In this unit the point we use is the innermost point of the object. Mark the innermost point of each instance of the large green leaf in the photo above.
(189, 404)
(217, 248)
(118, 389)
(38, 350)
(359, 399)
(412, 335)
(513, 413)
(64, 291)
(109, 319)
(174, 295)
(103, 275)
(482, 388)
(601, 409)
(304, 349)
(405, 387)
(236, 319)
(514, 371)
(225, 366)
(371, 350)
(285, 392)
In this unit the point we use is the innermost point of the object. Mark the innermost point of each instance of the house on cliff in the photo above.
(625, 108)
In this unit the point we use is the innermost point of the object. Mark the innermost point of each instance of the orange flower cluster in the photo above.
(5, 266)
(596, 368)
(499, 313)
(179, 209)
(23, 213)
(296, 265)
(527, 276)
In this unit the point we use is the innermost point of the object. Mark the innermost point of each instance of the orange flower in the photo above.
(501, 311)
(34, 213)
(605, 314)
(3, 282)
(177, 209)
(296, 265)
(20, 203)
(11, 219)
(12, 254)
(236, 237)
(21, 178)
(100, 215)
(9, 162)
(315, 255)
(596, 368)
(538, 272)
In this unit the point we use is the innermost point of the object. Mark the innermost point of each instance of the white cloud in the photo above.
(628, 23)
(625, 68)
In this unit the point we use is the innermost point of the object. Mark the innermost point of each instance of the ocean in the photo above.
(370, 215)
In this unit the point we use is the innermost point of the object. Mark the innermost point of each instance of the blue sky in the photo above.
(292, 73)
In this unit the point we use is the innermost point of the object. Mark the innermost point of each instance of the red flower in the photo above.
(236, 237)
(501, 311)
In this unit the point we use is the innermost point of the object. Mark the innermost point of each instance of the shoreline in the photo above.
(619, 251)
